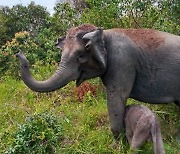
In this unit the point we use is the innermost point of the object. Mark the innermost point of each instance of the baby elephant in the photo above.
(141, 125)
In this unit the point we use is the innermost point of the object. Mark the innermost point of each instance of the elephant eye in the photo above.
(82, 58)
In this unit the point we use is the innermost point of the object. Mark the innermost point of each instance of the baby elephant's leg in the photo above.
(129, 135)
(129, 132)
(141, 134)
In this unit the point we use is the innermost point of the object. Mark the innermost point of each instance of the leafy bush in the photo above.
(40, 49)
(18, 18)
(8, 62)
(40, 134)
(161, 15)
(65, 17)
(84, 89)
(47, 52)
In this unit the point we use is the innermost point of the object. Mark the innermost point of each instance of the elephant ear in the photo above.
(95, 44)
(60, 42)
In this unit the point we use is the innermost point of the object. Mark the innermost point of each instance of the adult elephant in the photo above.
(142, 64)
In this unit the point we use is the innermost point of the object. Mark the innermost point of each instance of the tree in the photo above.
(23, 18)
(161, 15)
(65, 17)
(3, 28)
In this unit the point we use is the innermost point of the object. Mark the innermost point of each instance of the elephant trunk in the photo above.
(60, 78)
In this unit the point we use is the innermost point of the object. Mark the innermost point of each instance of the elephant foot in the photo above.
(118, 134)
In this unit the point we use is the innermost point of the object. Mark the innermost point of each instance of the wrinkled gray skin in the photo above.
(141, 125)
(138, 63)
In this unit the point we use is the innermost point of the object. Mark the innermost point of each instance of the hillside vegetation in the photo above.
(71, 119)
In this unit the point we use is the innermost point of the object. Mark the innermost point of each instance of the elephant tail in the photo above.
(157, 138)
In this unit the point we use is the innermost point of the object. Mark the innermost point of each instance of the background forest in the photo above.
(70, 120)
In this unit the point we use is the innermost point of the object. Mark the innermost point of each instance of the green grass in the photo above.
(85, 124)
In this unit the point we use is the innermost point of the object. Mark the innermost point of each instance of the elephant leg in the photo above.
(129, 131)
(119, 83)
(116, 109)
(129, 134)
(178, 133)
(139, 137)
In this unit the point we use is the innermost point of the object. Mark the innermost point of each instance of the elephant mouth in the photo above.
(79, 79)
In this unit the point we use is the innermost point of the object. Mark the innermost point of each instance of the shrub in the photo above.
(38, 49)
(47, 51)
(8, 62)
(85, 89)
(40, 134)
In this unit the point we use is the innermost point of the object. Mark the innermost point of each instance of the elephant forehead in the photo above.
(72, 42)
(82, 28)
(147, 37)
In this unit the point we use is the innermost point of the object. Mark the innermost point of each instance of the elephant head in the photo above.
(83, 57)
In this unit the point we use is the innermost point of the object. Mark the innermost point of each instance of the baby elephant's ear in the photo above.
(94, 43)
(60, 42)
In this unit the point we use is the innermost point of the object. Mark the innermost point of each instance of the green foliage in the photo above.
(64, 18)
(40, 134)
(40, 50)
(23, 18)
(161, 15)
(3, 28)
(102, 13)
(8, 61)
(47, 52)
